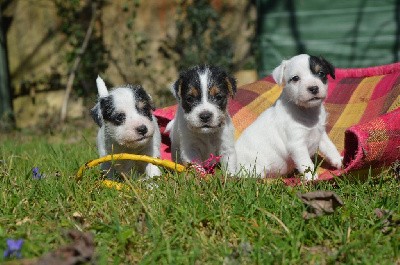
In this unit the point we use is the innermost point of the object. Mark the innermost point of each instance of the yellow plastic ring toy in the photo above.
(124, 156)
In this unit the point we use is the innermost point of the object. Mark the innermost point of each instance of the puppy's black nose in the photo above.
(205, 116)
(142, 129)
(313, 89)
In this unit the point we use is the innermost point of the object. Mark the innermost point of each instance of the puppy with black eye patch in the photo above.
(202, 125)
(127, 125)
(286, 135)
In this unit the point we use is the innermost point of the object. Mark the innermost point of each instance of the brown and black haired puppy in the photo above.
(202, 125)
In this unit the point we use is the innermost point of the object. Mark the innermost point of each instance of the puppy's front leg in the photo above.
(303, 162)
(329, 151)
(190, 154)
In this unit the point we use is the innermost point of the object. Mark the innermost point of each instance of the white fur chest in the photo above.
(312, 137)
(306, 126)
(207, 146)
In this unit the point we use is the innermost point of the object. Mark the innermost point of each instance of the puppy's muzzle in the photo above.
(205, 116)
(142, 130)
(313, 90)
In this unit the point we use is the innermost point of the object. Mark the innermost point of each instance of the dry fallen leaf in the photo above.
(319, 203)
(390, 219)
(239, 254)
(78, 217)
(79, 251)
(23, 221)
(396, 169)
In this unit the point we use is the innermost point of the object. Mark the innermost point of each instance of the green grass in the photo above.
(185, 220)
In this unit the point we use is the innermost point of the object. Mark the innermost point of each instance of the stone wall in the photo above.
(36, 50)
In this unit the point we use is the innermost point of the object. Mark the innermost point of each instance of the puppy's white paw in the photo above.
(337, 162)
(230, 169)
(152, 170)
(310, 176)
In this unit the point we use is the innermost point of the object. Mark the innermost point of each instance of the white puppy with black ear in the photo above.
(286, 135)
(202, 125)
(127, 125)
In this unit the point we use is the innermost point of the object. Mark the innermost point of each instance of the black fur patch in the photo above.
(95, 112)
(188, 87)
(321, 68)
(108, 111)
(106, 107)
(220, 87)
(144, 104)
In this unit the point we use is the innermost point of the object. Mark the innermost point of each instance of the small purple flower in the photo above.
(36, 174)
(13, 248)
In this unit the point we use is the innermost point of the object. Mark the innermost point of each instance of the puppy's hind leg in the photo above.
(229, 161)
(329, 151)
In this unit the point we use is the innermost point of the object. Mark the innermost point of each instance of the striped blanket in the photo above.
(363, 121)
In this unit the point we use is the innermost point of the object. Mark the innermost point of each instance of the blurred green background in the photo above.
(357, 33)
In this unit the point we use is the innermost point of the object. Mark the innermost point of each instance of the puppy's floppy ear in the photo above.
(329, 66)
(142, 95)
(95, 112)
(152, 105)
(223, 76)
(176, 88)
(101, 87)
(277, 73)
(231, 83)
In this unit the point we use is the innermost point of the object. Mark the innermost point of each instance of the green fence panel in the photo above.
(349, 33)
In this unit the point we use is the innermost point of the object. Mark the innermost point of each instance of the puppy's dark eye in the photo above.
(189, 99)
(321, 74)
(118, 118)
(294, 78)
(219, 97)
